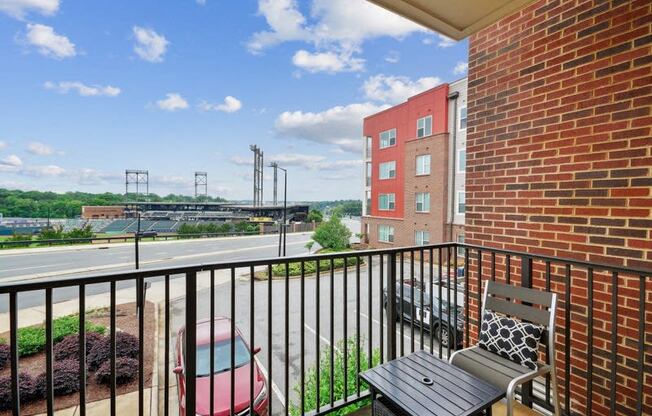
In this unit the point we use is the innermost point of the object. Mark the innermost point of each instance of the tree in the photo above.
(332, 234)
(309, 245)
(315, 216)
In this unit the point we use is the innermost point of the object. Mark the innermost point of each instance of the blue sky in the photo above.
(89, 89)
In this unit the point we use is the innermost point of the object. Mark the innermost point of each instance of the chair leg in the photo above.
(555, 393)
(510, 402)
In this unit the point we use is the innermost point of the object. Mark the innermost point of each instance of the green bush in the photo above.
(332, 234)
(31, 340)
(310, 401)
(310, 267)
(315, 216)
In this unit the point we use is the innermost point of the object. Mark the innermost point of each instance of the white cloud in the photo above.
(461, 68)
(2, 145)
(84, 90)
(337, 29)
(340, 126)
(201, 2)
(330, 62)
(40, 149)
(46, 170)
(393, 57)
(172, 102)
(150, 46)
(442, 41)
(10, 163)
(19, 8)
(445, 41)
(395, 89)
(48, 42)
(230, 105)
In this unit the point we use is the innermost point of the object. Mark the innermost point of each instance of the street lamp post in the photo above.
(282, 229)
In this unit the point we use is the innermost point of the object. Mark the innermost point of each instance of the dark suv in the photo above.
(414, 312)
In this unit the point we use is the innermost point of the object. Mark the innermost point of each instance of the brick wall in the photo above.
(559, 163)
(436, 183)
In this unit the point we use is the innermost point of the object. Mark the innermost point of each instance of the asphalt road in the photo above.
(340, 316)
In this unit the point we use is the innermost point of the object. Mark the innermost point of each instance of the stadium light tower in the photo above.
(201, 183)
(136, 177)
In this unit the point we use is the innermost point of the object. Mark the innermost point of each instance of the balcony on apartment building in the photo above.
(557, 198)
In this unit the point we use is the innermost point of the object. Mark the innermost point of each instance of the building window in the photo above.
(368, 147)
(387, 170)
(461, 161)
(463, 118)
(386, 233)
(423, 165)
(368, 174)
(368, 205)
(461, 202)
(422, 238)
(424, 126)
(386, 202)
(423, 201)
(460, 250)
(387, 138)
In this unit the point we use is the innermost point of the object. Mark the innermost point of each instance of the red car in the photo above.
(222, 396)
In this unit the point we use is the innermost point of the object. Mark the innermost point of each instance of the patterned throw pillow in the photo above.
(510, 338)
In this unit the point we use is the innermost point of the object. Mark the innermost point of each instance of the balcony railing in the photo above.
(603, 364)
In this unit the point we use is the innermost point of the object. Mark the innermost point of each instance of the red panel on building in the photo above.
(403, 118)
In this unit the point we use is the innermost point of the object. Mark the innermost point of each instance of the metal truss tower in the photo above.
(258, 175)
(201, 186)
(134, 178)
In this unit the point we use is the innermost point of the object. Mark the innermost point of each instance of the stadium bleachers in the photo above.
(118, 226)
(144, 226)
(165, 226)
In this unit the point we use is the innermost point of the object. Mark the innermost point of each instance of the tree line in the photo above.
(37, 204)
(342, 207)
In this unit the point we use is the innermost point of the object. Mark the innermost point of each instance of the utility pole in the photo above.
(274, 165)
(282, 232)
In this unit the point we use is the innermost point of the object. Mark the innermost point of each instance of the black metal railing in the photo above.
(435, 307)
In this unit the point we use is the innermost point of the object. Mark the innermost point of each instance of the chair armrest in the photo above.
(544, 369)
(452, 357)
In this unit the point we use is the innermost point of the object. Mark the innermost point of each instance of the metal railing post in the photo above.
(391, 306)
(526, 281)
(191, 342)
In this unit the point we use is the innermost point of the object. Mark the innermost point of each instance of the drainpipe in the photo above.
(453, 96)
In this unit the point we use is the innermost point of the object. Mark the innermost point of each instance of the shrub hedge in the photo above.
(310, 267)
(65, 377)
(32, 339)
(68, 347)
(126, 370)
(29, 388)
(126, 345)
(4, 355)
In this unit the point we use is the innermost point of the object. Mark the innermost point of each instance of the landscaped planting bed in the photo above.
(66, 363)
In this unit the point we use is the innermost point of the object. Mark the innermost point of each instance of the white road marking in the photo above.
(322, 338)
(275, 389)
(35, 267)
(398, 332)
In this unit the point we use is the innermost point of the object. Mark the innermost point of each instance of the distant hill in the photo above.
(35, 204)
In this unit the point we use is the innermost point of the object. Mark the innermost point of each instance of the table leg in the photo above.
(373, 399)
(488, 411)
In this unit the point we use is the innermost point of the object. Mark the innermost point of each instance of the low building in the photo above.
(415, 155)
(103, 212)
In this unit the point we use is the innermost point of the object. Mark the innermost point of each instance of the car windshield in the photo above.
(222, 356)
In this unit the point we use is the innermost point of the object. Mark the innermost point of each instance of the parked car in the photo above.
(414, 312)
(222, 372)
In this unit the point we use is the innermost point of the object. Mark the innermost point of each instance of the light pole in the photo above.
(282, 229)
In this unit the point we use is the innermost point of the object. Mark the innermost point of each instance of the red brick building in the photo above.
(408, 170)
(559, 163)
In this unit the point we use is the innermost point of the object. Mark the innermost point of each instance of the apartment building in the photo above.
(415, 156)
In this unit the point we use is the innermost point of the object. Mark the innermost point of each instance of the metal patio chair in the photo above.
(502, 372)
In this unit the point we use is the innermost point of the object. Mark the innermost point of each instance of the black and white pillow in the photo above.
(510, 338)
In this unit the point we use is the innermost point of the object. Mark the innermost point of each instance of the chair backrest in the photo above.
(526, 304)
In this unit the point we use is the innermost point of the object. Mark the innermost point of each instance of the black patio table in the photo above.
(421, 384)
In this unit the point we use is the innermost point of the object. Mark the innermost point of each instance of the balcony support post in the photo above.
(526, 281)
